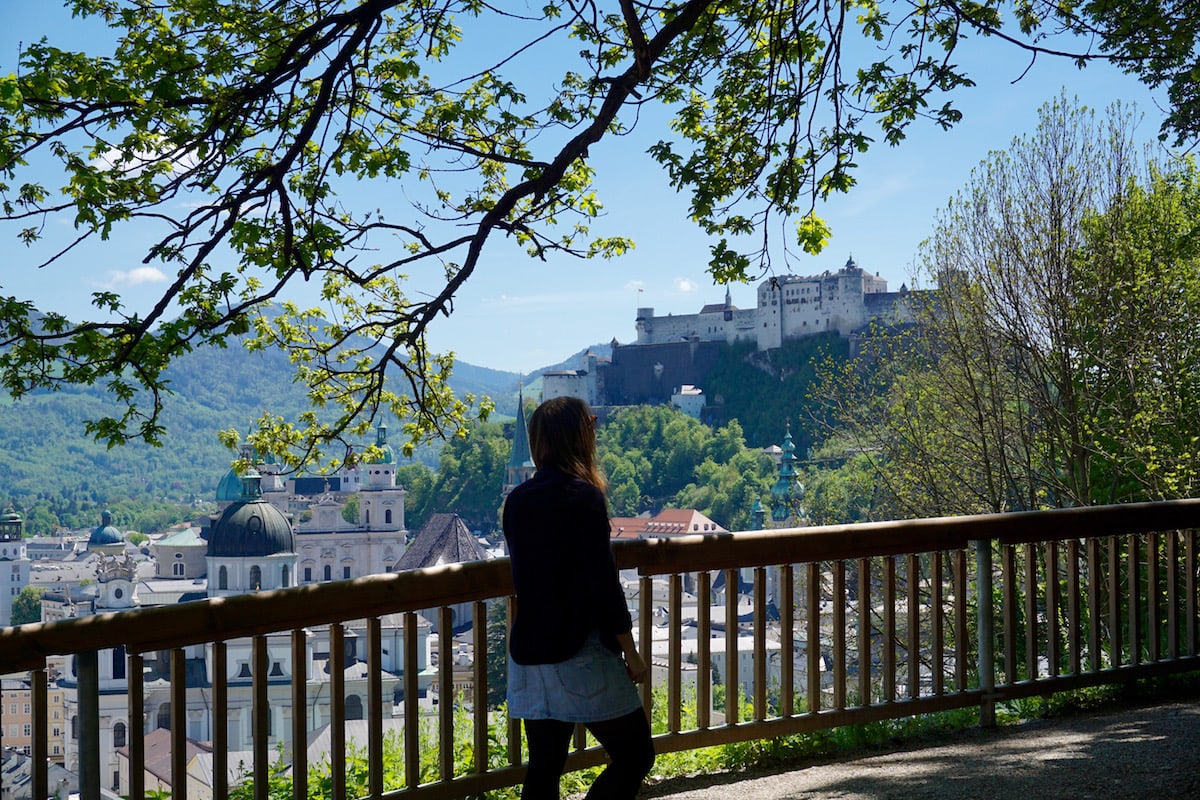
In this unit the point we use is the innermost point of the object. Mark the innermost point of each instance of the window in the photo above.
(119, 734)
(164, 716)
(387, 516)
(26, 729)
(255, 578)
(223, 578)
(177, 569)
(308, 574)
(328, 572)
(284, 577)
(354, 707)
(118, 662)
(346, 573)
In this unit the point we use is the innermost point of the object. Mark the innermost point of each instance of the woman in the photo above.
(571, 653)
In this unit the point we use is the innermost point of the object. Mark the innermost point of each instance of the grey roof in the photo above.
(444, 539)
(251, 528)
(157, 752)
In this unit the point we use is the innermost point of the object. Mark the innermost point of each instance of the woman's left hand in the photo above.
(636, 666)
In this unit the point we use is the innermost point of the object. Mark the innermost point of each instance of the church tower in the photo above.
(520, 463)
(14, 562)
(787, 491)
(380, 500)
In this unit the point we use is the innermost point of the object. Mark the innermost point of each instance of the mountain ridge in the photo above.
(44, 451)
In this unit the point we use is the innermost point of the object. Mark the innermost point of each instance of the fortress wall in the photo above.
(649, 373)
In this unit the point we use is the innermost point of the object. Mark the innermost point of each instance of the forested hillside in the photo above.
(55, 475)
(766, 391)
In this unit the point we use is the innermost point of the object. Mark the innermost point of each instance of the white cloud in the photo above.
(134, 277)
(686, 285)
(636, 285)
(131, 165)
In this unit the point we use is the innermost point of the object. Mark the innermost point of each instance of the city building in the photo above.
(251, 547)
(14, 562)
(668, 522)
(445, 539)
(689, 399)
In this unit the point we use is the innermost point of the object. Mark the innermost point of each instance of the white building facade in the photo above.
(14, 563)
(788, 307)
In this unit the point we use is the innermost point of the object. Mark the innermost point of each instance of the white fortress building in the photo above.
(789, 307)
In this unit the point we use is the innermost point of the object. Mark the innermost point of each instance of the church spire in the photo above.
(520, 462)
(787, 489)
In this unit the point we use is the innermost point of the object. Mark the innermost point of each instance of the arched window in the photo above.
(164, 716)
(387, 516)
(328, 572)
(223, 578)
(367, 517)
(118, 663)
(354, 707)
(255, 578)
(284, 577)
(119, 734)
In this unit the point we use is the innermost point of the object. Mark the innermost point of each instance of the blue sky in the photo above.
(519, 314)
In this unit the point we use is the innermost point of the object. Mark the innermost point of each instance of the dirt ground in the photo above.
(1147, 752)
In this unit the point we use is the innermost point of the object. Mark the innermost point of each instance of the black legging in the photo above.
(626, 740)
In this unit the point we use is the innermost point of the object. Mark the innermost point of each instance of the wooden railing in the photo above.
(837, 625)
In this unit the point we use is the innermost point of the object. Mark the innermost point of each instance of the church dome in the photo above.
(251, 526)
(229, 490)
(106, 533)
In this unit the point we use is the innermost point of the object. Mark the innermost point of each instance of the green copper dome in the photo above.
(229, 490)
(251, 526)
(106, 533)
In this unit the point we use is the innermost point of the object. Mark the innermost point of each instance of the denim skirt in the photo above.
(590, 686)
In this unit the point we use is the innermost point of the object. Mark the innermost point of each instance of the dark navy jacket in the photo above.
(566, 580)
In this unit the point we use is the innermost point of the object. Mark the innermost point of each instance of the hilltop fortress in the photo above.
(789, 307)
(677, 351)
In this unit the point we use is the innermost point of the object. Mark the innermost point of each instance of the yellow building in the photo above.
(16, 717)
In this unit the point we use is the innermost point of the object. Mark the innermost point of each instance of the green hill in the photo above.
(45, 454)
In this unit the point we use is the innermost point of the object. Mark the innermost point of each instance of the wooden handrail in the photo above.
(141, 630)
(799, 545)
(222, 618)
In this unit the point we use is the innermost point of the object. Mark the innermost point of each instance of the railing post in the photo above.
(87, 669)
(985, 614)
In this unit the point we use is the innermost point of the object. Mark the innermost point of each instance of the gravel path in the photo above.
(1143, 752)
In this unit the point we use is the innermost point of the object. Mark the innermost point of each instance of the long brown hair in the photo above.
(562, 434)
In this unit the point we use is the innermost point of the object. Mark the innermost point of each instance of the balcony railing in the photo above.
(808, 629)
